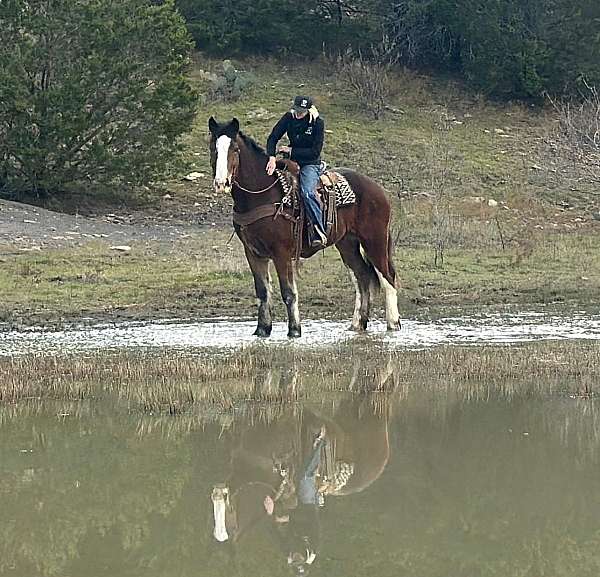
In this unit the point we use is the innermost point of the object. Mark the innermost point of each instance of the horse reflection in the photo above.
(284, 472)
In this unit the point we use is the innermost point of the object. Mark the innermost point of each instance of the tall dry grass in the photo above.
(172, 382)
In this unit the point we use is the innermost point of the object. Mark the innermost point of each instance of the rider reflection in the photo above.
(300, 528)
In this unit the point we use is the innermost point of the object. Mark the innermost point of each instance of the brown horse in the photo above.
(362, 235)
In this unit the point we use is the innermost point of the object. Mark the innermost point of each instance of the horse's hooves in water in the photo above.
(294, 333)
(394, 326)
(361, 327)
(262, 332)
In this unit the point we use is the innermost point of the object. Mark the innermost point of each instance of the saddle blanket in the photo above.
(331, 185)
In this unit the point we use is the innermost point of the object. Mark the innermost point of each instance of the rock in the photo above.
(121, 248)
(492, 202)
(476, 199)
(259, 114)
(394, 110)
(193, 176)
(167, 197)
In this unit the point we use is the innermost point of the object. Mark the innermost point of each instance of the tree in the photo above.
(506, 48)
(90, 91)
(271, 26)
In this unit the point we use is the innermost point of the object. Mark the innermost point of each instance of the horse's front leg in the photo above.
(286, 272)
(262, 285)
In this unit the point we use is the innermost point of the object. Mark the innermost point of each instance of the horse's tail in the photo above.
(374, 283)
(390, 254)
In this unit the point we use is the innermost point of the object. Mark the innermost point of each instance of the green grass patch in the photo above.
(206, 276)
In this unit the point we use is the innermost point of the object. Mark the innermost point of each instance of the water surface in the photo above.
(229, 333)
(443, 483)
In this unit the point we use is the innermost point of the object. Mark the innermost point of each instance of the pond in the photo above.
(414, 480)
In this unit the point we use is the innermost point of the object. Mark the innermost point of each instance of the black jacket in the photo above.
(306, 138)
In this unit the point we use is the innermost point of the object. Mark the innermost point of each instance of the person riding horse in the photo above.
(305, 130)
(269, 234)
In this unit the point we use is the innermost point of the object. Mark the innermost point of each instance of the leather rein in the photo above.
(235, 181)
(255, 191)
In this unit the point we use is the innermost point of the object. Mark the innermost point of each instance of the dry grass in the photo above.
(172, 382)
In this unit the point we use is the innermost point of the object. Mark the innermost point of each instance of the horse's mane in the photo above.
(252, 144)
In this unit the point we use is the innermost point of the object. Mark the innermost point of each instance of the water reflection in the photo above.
(384, 479)
(284, 472)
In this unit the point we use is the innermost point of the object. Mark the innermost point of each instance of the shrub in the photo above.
(228, 83)
(90, 90)
(502, 47)
(368, 75)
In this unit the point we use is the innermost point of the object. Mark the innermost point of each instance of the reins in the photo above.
(256, 191)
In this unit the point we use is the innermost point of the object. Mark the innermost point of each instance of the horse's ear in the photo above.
(234, 128)
(212, 125)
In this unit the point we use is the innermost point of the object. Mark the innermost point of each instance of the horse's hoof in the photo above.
(294, 333)
(394, 326)
(360, 328)
(262, 332)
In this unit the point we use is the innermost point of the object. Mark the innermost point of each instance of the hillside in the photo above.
(435, 144)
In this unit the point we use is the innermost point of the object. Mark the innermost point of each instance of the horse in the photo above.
(362, 235)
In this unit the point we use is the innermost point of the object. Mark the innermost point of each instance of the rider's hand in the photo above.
(285, 149)
(271, 165)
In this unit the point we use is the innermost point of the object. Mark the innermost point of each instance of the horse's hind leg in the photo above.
(262, 285)
(378, 248)
(289, 292)
(362, 277)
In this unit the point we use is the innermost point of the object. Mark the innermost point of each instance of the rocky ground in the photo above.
(29, 227)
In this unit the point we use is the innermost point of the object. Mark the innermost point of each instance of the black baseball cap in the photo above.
(302, 103)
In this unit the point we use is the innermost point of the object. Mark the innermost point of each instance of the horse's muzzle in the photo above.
(222, 187)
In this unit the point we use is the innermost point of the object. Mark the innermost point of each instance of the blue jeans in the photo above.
(309, 177)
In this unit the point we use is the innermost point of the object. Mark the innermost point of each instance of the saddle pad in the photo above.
(339, 186)
(343, 191)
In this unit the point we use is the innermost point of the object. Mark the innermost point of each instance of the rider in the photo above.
(300, 528)
(305, 130)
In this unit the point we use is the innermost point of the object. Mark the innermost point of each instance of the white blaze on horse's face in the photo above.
(222, 182)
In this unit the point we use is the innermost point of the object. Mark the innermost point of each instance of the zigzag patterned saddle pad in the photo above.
(335, 183)
(332, 185)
